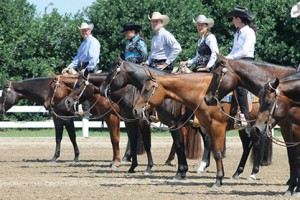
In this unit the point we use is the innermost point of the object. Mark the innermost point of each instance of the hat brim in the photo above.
(209, 21)
(131, 28)
(295, 12)
(90, 27)
(236, 13)
(164, 18)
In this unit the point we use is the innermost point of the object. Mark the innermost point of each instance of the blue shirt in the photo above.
(88, 52)
(164, 46)
(136, 50)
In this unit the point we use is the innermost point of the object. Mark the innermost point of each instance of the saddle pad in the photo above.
(251, 98)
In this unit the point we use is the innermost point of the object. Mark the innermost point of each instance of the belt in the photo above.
(158, 60)
(247, 58)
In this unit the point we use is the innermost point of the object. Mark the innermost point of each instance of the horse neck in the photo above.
(290, 88)
(188, 89)
(137, 74)
(253, 76)
(36, 90)
(68, 81)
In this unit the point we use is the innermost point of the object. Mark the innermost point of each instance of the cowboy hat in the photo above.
(295, 12)
(240, 11)
(203, 19)
(130, 27)
(157, 15)
(85, 25)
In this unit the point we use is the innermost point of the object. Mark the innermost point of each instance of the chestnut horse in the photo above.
(128, 73)
(251, 75)
(38, 90)
(86, 88)
(189, 89)
(280, 104)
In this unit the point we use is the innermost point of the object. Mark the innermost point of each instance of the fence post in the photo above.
(85, 127)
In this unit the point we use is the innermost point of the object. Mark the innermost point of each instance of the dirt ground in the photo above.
(25, 173)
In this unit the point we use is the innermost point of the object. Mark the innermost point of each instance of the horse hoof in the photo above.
(76, 160)
(131, 171)
(114, 167)
(252, 177)
(202, 168)
(53, 160)
(179, 178)
(125, 160)
(216, 185)
(168, 163)
(296, 194)
(288, 193)
(147, 173)
(235, 177)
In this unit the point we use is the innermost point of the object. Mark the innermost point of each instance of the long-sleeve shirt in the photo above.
(243, 44)
(88, 52)
(211, 41)
(136, 50)
(164, 46)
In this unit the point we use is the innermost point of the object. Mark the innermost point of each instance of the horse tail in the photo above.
(140, 145)
(265, 151)
(193, 144)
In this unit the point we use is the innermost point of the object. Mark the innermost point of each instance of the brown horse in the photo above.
(38, 90)
(252, 75)
(134, 127)
(177, 87)
(280, 104)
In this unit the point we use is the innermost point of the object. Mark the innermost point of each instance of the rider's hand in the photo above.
(162, 66)
(183, 63)
(145, 63)
(65, 71)
(205, 69)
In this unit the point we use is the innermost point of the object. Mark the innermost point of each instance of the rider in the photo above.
(206, 53)
(164, 46)
(207, 46)
(87, 57)
(136, 48)
(243, 48)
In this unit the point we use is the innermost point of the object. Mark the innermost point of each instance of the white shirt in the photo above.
(164, 46)
(211, 41)
(243, 44)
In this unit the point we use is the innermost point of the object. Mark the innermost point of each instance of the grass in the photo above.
(92, 133)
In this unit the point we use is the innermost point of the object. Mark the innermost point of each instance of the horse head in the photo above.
(268, 103)
(82, 90)
(151, 96)
(222, 78)
(8, 98)
(117, 77)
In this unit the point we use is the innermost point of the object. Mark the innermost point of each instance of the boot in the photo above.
(195, 122)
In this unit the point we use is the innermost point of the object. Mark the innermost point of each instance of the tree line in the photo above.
(33, 45)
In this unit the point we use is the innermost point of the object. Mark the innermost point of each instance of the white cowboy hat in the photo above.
(157, 15)
(85, 25)
(295, 12)
(202, 19)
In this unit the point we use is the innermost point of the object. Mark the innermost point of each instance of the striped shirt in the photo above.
(164, 46)
(88, 52)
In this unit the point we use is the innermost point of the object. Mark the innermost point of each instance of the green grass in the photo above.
(92, 133)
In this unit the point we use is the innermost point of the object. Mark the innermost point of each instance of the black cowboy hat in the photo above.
(240, 11)
(130, 27)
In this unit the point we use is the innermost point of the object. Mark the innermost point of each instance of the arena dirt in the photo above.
(25, 173)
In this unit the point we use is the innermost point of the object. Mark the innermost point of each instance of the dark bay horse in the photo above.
(280, 104)
(38, 90)
(189, 89)
(252, 75)
(134, 127)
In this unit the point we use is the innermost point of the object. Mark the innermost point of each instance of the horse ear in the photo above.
(276, 83)
(7, 83)
(221, 58)
(53, 76)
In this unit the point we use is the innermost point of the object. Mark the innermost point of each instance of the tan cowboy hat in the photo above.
(295, 12)
(203, 19)
(157, 15)
(85, 25)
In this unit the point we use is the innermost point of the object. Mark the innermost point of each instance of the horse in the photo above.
(159, 87)
(134, 127)
(279, 104)
(38, 90)
(252, 75)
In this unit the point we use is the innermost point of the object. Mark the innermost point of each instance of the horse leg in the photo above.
(292, 182)
(178, 141)
(144, 130)
(58, 137)
(113, 125)
(171, 155)
(205, 162)
(127, 155)
(132, 136)
(72, 135)
(247, 145)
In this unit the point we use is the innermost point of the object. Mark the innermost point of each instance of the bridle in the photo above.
(271, 113)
